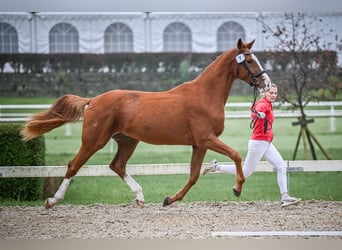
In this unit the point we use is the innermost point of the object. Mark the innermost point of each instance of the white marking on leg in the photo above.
(135, 187)
(59, 195)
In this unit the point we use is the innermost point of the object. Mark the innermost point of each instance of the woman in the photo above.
(260, 145)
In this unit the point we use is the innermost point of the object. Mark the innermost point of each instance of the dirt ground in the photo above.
(199, 220)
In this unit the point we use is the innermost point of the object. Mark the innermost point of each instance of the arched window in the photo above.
(177, 38)
(118, 37)
(63, 38)
(228, 34)
(8, 38)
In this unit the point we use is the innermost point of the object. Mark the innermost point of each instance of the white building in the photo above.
(138, 32)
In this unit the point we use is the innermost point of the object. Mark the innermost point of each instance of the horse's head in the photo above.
(249, 68)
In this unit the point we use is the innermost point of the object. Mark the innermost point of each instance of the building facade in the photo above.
(139, 32)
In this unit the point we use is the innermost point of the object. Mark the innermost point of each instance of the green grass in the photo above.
(212, 187)
(26, 100)
(216, 187)
(61, 149)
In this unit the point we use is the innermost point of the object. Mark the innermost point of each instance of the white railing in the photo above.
(18, 117)
(22, 117)
(159, 169)
(329, 111)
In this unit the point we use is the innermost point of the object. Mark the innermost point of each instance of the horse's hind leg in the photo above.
(126, 147)
(59, 195)
(91, 143)
(79, 160)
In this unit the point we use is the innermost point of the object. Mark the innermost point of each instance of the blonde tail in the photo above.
(68, 108)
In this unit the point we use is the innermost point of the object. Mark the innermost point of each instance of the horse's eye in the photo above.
(249, 61)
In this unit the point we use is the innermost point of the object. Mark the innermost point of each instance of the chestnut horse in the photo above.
(189, 114)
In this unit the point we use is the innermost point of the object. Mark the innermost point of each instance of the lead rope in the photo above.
(253, 121)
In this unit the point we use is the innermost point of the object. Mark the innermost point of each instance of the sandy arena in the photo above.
(179, 221)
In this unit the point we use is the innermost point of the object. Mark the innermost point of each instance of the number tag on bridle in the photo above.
(240, 58)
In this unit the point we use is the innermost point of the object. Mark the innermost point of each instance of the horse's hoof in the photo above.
(236, 193)
(47, 204)
(166, 201)
(140, 203)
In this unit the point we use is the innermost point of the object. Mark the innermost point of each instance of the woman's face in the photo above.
(271, 95)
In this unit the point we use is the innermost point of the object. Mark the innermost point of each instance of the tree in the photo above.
(307, 65)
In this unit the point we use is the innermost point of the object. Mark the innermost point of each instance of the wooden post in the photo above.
(305, 133)
(302, 134)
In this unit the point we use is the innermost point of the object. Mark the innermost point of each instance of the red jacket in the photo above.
(262, 129)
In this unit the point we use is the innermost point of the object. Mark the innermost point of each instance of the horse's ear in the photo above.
(239, 44)
(250, 45)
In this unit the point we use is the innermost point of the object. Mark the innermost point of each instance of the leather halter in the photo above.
(241, 60)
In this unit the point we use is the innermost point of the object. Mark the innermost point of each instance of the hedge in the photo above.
(15, 152)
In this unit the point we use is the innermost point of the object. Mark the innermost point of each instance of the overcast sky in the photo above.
(170, 5)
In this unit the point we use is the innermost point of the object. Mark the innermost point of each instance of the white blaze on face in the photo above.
(265, 77)
(267, 81)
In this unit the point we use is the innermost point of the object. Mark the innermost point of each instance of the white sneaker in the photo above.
(211, 168)
(288, 201)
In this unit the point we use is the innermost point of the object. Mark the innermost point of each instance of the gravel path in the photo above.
(179, 221)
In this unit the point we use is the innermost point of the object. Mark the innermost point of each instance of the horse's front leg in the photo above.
(218, 146)
(195, 169)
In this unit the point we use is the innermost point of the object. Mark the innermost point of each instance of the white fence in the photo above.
(158, 169)
(18, 117)
(326, 109)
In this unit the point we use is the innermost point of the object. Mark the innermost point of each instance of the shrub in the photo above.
(15, 152)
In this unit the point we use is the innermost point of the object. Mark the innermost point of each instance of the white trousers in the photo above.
(256, 150)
